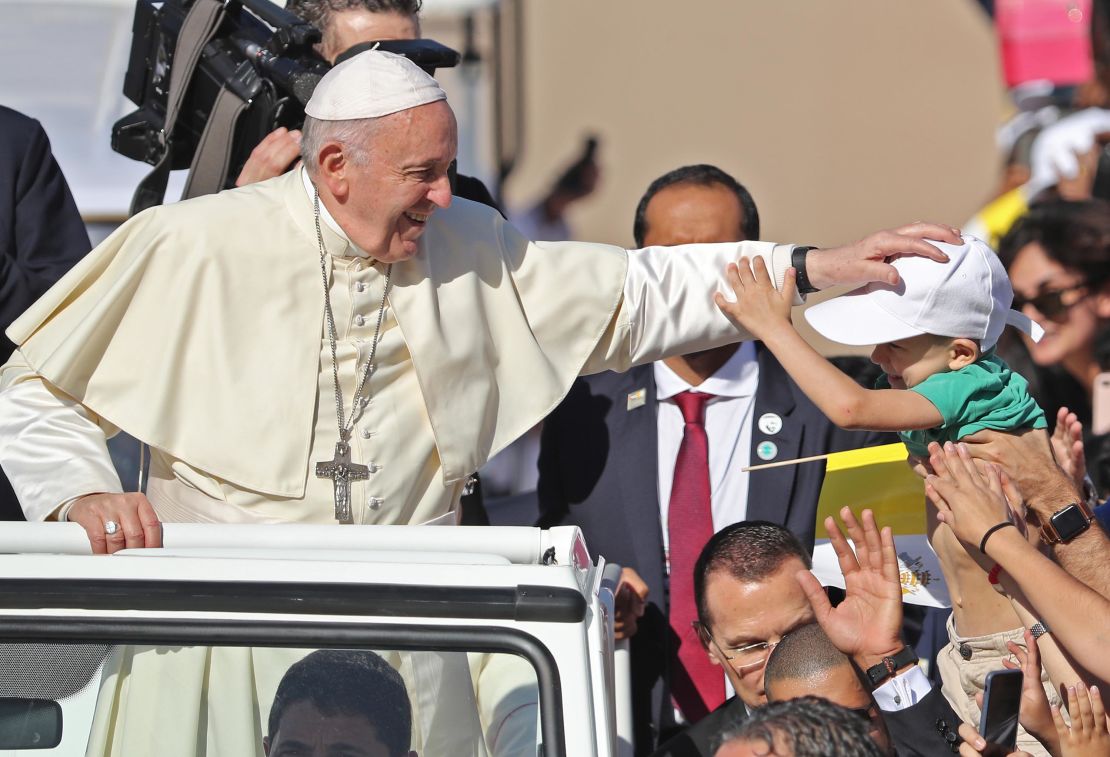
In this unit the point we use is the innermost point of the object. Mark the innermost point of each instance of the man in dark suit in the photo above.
(609, 452)
(41, 234)
(750, 595)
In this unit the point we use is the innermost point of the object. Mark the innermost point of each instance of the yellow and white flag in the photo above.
(879, 479)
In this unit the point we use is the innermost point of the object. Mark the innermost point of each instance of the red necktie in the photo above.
(697, 685)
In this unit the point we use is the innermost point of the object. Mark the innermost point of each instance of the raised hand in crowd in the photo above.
(1067, 446)
(1034, 714)
(972, 503)
(628, 603)
(1087, 736)
(867, 623)
(974, 744)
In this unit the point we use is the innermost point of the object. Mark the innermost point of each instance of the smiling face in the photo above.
(908, 362)
(1070, 334)
(742, 613)
(383, 202)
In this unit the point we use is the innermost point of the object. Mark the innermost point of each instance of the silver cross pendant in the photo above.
(342, 472)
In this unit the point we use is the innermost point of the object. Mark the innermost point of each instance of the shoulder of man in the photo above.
(701, 739)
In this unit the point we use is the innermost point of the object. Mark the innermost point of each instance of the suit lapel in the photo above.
(638, 461)
(770, 491)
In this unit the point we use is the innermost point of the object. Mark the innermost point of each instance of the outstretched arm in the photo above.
(765, 313)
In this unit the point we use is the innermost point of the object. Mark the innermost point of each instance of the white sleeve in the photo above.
(52, 449)
(668, 306)
(904, 690)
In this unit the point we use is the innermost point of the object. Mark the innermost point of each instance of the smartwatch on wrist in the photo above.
(877, 674)
(798, 261)
(1067, 523)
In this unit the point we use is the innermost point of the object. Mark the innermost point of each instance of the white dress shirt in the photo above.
(728, 425)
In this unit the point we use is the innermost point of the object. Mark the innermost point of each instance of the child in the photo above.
(935, 331)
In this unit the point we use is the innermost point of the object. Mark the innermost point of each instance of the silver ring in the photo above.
(110, 527)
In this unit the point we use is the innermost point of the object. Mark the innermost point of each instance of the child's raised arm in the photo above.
(765, 313)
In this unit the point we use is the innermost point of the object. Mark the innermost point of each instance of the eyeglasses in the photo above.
(1050, 303)
(745, 659)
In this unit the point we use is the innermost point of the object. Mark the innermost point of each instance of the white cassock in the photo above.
(198, 328)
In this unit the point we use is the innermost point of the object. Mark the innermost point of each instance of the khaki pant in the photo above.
(964, 663)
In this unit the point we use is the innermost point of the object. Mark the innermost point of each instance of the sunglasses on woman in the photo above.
(1051, 303)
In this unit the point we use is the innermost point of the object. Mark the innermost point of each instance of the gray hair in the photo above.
(356, 136)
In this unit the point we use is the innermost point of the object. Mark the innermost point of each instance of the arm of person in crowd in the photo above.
(765, 313)
(271, 157)
(61, 469)
(1027, 459)
(867, 624)
(667, 311)
(972, 504)
(1087, 735)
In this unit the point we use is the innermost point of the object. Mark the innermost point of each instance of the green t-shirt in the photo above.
(984, 395)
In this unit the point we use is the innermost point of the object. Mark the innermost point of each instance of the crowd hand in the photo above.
(137, 521)
(1056, 153)
(1027, 459)
(271, 157)
(759, 307)
(1034, 715)
(869, 259)
(968, 501)
(628, 603)
(866, 625)
(1067, 446)
(974, 745)
(1087, 736)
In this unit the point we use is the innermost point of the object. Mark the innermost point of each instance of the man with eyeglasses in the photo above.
(753, 587)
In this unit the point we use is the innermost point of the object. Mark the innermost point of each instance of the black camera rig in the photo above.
(213, 77)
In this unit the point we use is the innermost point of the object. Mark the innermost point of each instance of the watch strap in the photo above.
(1039, 629)
(877, 674)
(798, 261)
(1050, 535)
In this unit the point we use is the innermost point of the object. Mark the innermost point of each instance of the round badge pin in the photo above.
(766, 450)
(770, 423)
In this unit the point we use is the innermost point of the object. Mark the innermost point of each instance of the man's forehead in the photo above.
(753, 609)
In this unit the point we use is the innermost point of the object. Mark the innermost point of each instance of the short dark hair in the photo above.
(1076, 234)
(749, 551)
(318, 12)
(349, 682)
(810, 726)
(703, 175)
(803, 654)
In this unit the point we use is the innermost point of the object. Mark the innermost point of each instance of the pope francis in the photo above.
(346, 342)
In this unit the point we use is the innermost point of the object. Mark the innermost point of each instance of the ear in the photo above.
(332, 167)
(962, 353)
(1102, 301)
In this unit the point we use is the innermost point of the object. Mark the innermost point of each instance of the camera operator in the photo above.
(343, 24)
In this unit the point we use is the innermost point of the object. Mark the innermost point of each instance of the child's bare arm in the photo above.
(765, 312)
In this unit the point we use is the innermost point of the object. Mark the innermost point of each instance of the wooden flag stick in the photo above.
(781, 463)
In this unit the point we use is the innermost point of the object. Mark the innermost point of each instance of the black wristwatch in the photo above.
(876, 674)
(798, 261)
(1067, 523)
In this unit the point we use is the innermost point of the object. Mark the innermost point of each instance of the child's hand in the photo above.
(759, 307)
(1087, 734)
(1035, 714)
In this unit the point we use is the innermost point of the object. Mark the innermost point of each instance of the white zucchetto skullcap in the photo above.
(372, 84)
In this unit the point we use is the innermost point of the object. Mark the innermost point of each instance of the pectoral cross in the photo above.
(342, 472)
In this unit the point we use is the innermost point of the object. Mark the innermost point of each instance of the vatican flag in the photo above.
(878, 478)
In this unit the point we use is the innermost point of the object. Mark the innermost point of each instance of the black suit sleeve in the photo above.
(923, 728)
(41, 232)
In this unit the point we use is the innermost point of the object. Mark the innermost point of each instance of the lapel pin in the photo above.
(770, 423)
(636, 399)
(766, 450)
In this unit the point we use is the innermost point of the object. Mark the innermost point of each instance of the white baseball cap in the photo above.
(969, 296)
(370, 85)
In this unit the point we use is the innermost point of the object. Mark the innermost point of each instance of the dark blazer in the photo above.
(914, 731)
(41, 233)
(598, 469)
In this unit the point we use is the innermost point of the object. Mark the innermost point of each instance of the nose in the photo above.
(440, 192)
(878, 354)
